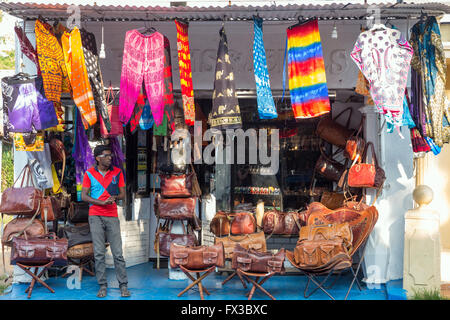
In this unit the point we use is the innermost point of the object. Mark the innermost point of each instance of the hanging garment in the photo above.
(118, 157)
(306, 68)
(266, 105)
(225, 113)
(418, 142)
(161, 130)
(417, 108)
(146, 121)
(429, 61)
(383, 56)
(143, 60)
(29, 141)
(95, 75)
(26, 107)
(53, 68)
(27, 48)
(137, 111)
(184, 60)
(76, 68)
(169, 102)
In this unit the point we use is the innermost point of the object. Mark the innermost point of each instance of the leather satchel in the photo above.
(39, 250)
(366, 175)
(57, 150)
(175, 208)
(332, 132)
(315, 255)
(176, 186)
(81, 251)
(76, 235)
(243, 223)
(327, 232)
(52, 205)
(17, 225)
(164, 238)
(255, 261)
(277, 222)
(197, 258)
(78, 212)
(255, 241)
(220, 224)
(24, 200)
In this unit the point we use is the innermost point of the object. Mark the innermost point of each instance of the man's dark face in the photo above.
(105, 158)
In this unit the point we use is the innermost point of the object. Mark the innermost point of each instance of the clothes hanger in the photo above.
(147, 28)
(301, 21)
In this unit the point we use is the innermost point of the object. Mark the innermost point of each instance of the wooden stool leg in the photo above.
(229, 278)
(196, 281)
(200, 287)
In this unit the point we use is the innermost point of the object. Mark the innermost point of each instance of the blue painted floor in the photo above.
(147, 283)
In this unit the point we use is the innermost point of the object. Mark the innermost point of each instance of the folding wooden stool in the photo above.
(82, 265)
(198, 281)
(35, 276)
(257, 283)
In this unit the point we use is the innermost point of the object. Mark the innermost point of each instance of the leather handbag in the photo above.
(164, 238)
(78, 212)
(39, 250)
(76, 235)
(197, 258)
(51, 206)
(366, 175)
(329, 168)
(331, 131)
(255, 261)
(176, 186)
(255, 241)
(242, 223)
(220, 224)
(24, 200)
(277, 222)
(17, 225)
(355, 145)
(175, 208)
(81, 251)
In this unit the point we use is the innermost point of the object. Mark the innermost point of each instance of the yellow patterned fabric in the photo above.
(36, 143)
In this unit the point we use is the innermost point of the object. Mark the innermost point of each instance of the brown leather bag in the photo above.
(164, 238)
(366, 175)
(53, 208)
(355, 145)
(39, 250)
(220, 224)
(78, 212)
(331, 131)
(255, 241)
(243, 223)
(175, 208)
(33, 228)
(255, 261)
(277, 222)
(196, 258)
(332, 200)
(328, 167)
(24, 200)
(176, 186)
(81, 251)
(327, 232)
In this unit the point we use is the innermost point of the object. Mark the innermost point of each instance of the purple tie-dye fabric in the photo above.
(82, 152)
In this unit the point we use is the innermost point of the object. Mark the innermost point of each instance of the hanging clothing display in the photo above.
(225, 113)
(29, 141)
(118, 157)
(146, 121)
(306, 69)
(169, 102)
(76, 68)
(41, 170)
(429, 62)
(52, 66)
(266, 105)
(418, 142)
(26, 108)
(417, 108)
(184, 60)
(95, 75)
(143, 60)
(27, 48)
(137, 111)
(383, 55)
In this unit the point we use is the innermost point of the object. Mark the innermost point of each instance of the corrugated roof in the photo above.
(322, 9)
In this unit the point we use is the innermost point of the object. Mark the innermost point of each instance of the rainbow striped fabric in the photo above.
(307, 79)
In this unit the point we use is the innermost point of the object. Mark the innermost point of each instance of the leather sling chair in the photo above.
(362, 219)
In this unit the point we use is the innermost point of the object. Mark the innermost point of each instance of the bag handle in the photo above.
(26, 172)
(374, 156)
(349, 116)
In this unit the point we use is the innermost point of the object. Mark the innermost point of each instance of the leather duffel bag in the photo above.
(81, 251)
(33, 228)
(277, 222)
(24, 200)
(175, 208)
(176, 186)
(255, 241)
(39, 250)
(76, 235)
(331, 131)
(78, 212)
(330, 231)
(196, 258)
(164, 238)
(255, 261)
(220, 224)
(242, 223)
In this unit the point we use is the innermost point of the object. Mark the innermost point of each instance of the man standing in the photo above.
(103, 184)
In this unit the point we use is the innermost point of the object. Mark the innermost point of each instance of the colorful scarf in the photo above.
(225, 113)
(137, 112)
(169, 102)
(307, 78)
(266, 105)
(184, 60)
(27, 48)
(146, 121)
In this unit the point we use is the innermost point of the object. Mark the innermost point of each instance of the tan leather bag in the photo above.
(196, 258)
(320, 254)
(327, 232)
(255, 261)
(32, 229)
(255, 241)
(80, 251)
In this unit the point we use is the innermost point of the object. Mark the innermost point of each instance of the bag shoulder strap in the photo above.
(349, 116)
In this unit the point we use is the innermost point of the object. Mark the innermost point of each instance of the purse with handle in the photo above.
(328, 167)
(331, 131)
(355, 145)
(164, 238)
(366, 175)
(76, 235)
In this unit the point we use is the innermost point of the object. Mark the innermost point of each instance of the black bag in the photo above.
(77, 235)
(78, 212)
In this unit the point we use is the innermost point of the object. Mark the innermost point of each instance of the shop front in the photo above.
(278, 174)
